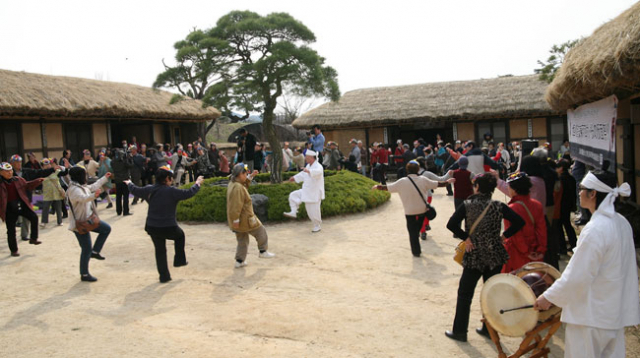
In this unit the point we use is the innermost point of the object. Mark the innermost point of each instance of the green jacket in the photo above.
(240, 207)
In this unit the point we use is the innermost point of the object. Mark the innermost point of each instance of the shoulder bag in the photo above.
(431, 211)
(88, 225)
(460, 249)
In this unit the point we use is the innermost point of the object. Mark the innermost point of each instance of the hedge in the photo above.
(345, 192)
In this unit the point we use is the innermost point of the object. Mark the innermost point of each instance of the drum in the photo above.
(503, 297)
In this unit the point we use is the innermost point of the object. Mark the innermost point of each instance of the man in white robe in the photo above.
(312, 192)
(598, 291)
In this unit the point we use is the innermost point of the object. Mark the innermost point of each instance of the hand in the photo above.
(127, 182)
(450, 173)
(236, 225)
(468, 245)
(542, 304)
(292, 179)
(98, 192)
(254, 173)
(40, 180)
(494, 173)
(108, 175)
(199, 180)
(375, 187)
(306, 170)
(451, 180)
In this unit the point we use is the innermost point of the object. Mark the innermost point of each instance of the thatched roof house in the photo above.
(33, 95)
(510, 107)
(47, 114)
(504, 97)
(605, 63)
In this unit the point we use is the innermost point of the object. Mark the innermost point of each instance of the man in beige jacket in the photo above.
(241, 218)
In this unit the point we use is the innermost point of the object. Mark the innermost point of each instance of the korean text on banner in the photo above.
(592, 129)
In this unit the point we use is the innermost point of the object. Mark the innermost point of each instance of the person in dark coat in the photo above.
(121, 165)
(14, 202)
(161, 222)
(137, 170)
(214, 155)
(567, 206)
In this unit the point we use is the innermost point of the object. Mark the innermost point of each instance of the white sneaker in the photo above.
(266, 255)
(290, 215)
(43, 225)
(241, 264)
(316, 228)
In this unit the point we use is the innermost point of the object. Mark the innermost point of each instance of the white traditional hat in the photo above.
(311, 153)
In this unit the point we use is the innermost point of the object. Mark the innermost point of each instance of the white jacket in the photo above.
(313, 183)
(81, 198)
(599, 287)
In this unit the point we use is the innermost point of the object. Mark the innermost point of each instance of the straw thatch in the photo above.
(504, 97)
(33, 95)
(605, 63)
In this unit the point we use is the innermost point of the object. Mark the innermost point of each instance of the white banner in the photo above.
(592, 129)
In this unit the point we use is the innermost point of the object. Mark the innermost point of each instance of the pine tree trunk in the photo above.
(276, 149)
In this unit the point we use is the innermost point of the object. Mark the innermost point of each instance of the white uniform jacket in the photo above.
(313, 183)
(599, 287)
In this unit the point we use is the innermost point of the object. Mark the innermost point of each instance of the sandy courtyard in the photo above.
(354, 290)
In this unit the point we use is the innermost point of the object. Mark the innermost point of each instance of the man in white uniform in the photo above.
(598, 291)
(312, 192)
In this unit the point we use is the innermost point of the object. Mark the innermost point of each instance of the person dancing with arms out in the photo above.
(81, 199)
(241, 219)
(415, 206)
(598, 291)
(485, 254)
(312, 192)
(161, 223)
(14, 202)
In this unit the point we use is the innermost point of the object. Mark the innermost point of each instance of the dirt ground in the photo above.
(353, 290)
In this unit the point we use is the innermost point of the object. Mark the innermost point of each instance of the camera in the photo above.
(308, 133)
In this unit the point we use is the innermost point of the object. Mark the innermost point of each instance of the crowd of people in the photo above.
(535, 224)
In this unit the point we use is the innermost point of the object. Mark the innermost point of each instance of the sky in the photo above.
(370, 43)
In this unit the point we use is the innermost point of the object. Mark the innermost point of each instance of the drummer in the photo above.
(485, 255)
(598, 291)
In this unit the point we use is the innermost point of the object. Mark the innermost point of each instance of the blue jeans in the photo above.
(85, 243)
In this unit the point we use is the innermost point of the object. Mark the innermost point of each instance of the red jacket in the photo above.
(383, 156)
(531, 238)
(398, 155)
(21, 186)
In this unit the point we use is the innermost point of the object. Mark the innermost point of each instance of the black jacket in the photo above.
(121, 169)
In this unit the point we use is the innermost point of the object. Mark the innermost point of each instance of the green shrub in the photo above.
(345, 192)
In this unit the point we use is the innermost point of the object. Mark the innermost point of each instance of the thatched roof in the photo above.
(605, 63)
(32, 95)
(504, 97)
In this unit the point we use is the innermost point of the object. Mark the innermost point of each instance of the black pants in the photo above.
(14, 209)
(122, 199)
(414, 224)
(449, 190)
(565, 223)
(466, 288)
(159, 237)
(551, 256)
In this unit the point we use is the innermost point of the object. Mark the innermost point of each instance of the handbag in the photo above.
(431, 211)
(460, 249)
(88, 225)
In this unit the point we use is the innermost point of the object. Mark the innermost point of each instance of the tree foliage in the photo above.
(245, 63)
(548, 69)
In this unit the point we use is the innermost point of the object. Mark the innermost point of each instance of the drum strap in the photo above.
(528, 212)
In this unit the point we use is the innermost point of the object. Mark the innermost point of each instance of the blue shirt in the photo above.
(317, 142)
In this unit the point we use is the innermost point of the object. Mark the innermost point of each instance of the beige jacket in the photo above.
(240, 207)
(81, 199)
